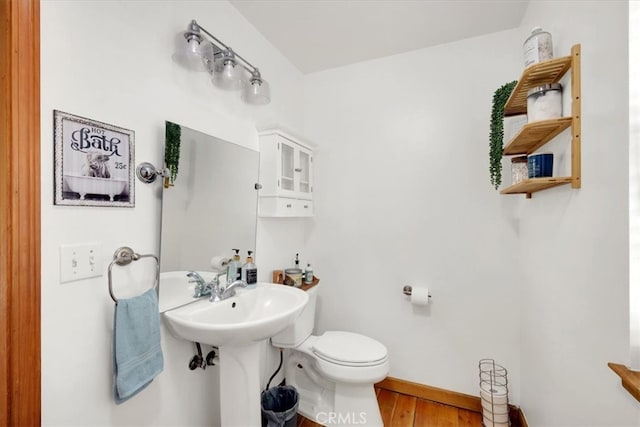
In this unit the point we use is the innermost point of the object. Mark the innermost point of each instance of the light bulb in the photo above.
(189, 48)
(193, 46)
(229, 70)
(256, 91)
(229, 76)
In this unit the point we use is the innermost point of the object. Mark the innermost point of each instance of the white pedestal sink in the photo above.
(237, 326)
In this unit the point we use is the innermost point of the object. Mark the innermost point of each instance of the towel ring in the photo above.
(124, 256)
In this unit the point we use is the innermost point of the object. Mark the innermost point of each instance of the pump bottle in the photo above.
(250, 272)
(234, 267)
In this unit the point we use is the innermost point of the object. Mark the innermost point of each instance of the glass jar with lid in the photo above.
(544, 102)
(538, 47)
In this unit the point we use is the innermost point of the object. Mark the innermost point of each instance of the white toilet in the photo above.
(334, 372)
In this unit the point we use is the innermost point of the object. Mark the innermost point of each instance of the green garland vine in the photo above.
(172, 149)
(496, 133)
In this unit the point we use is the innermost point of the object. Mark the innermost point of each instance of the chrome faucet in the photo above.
(213, 288)
(201, 287)
(228, 291)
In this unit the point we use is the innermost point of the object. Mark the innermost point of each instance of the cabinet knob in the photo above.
(306, 206)
(288, 205)
(298, 169)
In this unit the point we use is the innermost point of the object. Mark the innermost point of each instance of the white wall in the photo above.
(111, 61)
(540, 285)
(575, 307)
(408, 201)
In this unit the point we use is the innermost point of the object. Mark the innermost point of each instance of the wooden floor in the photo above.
(400, 410)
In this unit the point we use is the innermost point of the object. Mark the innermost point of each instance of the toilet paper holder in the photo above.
(407, 290)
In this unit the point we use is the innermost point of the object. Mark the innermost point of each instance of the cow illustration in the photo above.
(96, 166)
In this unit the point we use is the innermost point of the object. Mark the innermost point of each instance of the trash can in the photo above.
(279, 406)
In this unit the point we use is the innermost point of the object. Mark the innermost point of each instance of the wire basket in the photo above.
(494, 394)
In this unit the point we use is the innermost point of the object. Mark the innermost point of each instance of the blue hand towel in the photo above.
(137, 354)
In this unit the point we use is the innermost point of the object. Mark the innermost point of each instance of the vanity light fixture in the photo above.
(199, 50)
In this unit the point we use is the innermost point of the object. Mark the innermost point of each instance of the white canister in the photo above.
(544, 102)
(538, 47)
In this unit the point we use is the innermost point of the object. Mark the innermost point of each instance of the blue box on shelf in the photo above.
(540, 165)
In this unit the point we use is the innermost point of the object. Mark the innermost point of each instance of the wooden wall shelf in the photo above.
(534, 135)
(535, 75)
(531, 185)
(630, 379)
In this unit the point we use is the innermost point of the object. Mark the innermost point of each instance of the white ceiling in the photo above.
(319, 34)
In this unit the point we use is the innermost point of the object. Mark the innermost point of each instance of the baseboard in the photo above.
(446, 397)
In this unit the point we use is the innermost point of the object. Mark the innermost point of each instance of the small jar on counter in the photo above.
(294, 274)
(308, 275)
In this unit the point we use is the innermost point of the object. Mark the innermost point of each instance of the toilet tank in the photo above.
(302, 327)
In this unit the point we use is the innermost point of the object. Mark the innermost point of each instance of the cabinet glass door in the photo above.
(303, 169)
(286, 168)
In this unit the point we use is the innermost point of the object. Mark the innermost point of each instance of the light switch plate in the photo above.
(80, 261)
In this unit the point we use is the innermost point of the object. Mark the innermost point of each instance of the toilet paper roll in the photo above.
(495, 408)
(487, 421)
(493, 389)
(419, 296)
(219, 263)
(497, 394)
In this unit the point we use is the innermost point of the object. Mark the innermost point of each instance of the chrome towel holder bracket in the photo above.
(125, 256)
(147, 172)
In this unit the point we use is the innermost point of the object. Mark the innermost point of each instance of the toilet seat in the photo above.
(349, 349)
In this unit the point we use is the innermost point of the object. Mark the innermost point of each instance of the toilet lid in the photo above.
(349, 348)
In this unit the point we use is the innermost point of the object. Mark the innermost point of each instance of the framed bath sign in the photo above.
(93, 162)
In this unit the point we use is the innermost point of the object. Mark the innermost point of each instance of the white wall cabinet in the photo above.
(286, 175)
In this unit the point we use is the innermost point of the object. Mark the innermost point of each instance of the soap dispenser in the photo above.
(250, 272)
(308, 275)
(233, 270)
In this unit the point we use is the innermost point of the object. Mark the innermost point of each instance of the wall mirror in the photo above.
(210, 209)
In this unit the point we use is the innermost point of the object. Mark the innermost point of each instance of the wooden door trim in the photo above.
(20, 212)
